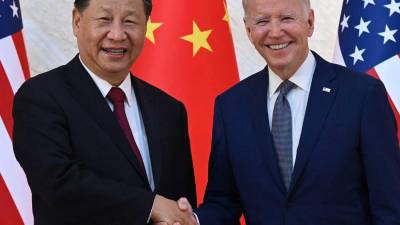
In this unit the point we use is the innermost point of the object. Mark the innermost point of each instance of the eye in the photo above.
(104, 19)
(129, 21)
(287, 18)
(262, 22)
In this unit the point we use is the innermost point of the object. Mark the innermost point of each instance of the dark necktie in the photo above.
(282, 132)
(117, 97)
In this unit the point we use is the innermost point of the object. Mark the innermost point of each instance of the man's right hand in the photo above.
(168, 212)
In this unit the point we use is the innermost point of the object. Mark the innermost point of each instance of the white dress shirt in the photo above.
(133, 115)
(297, 97)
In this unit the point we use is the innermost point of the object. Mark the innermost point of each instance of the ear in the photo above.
(76, 19)
(310, 22)
(248, 30)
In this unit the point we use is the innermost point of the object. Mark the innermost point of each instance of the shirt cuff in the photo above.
(197, 218)
(148, 219)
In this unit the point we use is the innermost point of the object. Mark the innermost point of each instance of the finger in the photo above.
(184, 204)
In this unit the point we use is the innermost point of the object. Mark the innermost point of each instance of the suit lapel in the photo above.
(259, 109)
(89, 97)
(318, 106)
(152, 119)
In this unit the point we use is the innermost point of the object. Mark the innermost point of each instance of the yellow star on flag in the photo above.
(151, 27)
(226, 16)
(198, 38)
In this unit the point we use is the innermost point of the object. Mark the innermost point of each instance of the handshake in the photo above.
(169, 212)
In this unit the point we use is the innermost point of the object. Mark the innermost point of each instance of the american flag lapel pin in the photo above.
(327, 90)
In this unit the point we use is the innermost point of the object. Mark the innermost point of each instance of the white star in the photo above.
(14, 9)
(388, 35)
(366, 2)
(394, 7)
(345, 22)
(357, 55)
(347, 1)
(362, 27)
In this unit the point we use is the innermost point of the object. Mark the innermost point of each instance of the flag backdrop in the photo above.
(369, 41)
(189, 54)
(15, 199)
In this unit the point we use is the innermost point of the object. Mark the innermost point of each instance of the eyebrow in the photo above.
(103, 9)
(284, 14)
(260, 17)
(289, 13)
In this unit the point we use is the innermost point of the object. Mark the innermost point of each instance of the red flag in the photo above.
(189, 54)
(15, 199)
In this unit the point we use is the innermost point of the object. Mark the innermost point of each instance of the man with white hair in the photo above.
(304, 141)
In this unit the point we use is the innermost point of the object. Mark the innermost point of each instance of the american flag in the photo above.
(15, 197)
(369, 41)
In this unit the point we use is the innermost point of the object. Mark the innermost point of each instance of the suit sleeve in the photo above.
(380, 153)
(189, 185)
(222, 204)
(42, 147)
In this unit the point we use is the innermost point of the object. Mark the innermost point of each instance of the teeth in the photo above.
(116, 51)
(277, 47)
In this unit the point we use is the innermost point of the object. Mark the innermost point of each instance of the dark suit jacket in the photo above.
(347, 170)
(78, 162)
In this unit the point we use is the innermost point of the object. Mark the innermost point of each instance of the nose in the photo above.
(275, 29)
(117, 32)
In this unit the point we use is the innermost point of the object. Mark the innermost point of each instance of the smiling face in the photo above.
(110, 36)
(279, 30)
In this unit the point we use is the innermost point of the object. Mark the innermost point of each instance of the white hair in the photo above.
(306, 4)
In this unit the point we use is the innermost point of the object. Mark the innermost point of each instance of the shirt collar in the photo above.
(302, 77)
(105, 87)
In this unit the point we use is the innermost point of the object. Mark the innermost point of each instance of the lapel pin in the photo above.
(325, 89)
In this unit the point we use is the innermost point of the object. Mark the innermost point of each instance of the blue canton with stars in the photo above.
(10, 17)
(369, 32)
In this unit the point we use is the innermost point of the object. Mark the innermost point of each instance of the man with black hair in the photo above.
(98, 145)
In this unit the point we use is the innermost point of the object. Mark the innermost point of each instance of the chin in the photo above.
(118, 71)
(116, 67)
(279, 64)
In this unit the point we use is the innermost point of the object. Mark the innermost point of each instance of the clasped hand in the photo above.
(169, 212)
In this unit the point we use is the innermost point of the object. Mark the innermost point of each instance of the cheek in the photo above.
(97, 34)
(258, 36)
(136, 33)
(138, 39)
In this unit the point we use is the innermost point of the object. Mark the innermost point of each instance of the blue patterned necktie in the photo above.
(282, 132)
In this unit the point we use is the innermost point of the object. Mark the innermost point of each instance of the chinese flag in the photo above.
(189, 54)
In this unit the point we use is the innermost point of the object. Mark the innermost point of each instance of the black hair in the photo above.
(81, 5)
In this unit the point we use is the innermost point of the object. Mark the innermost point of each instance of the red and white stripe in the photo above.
(387, 72)
(13, 72)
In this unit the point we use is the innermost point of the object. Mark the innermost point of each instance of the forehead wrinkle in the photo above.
(102, 8)
(109, 10)
(267, 15)
(305, 3)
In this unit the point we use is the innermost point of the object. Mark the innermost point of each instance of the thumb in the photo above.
(184, 204)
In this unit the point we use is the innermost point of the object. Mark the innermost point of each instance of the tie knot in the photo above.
(285, 87)
(116, 95)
